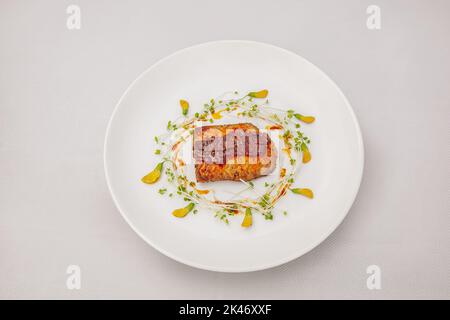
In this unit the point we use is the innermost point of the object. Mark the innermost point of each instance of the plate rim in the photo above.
(296, 254)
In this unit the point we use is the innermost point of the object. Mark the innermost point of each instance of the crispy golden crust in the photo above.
(216, 172)
(231, 159)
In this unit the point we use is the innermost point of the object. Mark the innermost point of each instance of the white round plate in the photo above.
(197, 74)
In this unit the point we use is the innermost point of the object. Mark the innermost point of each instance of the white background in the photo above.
(58, 89)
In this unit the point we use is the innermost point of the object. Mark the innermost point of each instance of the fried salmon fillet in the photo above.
(232, 152)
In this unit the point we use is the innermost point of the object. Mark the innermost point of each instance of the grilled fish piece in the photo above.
(232, 152)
